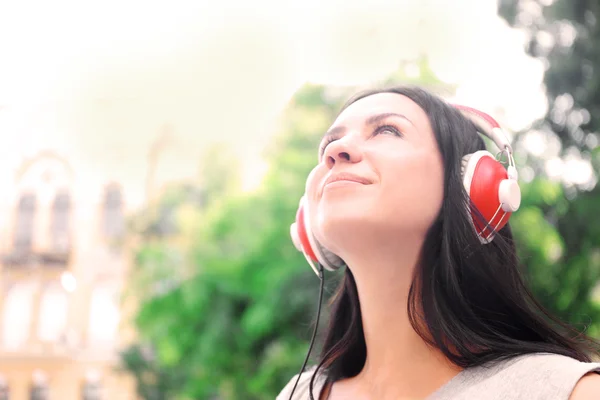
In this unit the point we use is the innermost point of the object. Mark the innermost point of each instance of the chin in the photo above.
(343, 224)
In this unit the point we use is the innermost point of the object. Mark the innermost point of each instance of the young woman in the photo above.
(432, 304)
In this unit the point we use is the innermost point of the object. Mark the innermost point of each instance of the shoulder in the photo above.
(554, 365)
(532, 377)
(553, 375)
(303, 387)
(587, 388)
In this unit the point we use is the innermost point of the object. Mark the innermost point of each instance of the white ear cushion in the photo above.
(463, 168)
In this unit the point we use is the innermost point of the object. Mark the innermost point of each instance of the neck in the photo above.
(399, 364)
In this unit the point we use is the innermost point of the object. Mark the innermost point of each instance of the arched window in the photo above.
(4, 389)
(52, 320)
(39, 386)
(113, 224)
(92, 388)
(24, 224)
(16, 318)
(104, 316)
(44, 181)
(59, 224)
(91, 391)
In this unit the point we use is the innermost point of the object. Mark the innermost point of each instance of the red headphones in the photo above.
(492, 188)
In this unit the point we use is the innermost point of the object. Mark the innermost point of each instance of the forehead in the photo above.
(381, 103)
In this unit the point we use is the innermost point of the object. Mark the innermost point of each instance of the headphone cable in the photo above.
(312, 340)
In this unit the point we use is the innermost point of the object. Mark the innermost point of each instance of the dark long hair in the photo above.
(466, 299)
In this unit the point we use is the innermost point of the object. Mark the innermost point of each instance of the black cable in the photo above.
(312, 340)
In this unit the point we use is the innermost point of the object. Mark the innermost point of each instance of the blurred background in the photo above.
(152, 157)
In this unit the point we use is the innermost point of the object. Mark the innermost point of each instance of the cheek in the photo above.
(312, 183)
(418, 190)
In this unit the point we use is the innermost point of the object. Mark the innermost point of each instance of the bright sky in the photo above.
(101, 81)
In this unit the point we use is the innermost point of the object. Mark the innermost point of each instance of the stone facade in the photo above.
(62, 274)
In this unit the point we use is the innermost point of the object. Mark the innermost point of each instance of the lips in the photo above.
(348, 177)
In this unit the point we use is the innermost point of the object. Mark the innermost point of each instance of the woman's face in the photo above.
(379, 177)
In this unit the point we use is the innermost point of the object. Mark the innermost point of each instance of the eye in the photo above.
(387, 129)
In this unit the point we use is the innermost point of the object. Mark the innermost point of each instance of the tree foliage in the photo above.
(226, 300)
(558, 229)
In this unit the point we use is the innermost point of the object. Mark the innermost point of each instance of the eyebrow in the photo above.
(370, 121)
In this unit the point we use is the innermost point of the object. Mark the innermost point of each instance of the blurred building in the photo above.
(62, 272)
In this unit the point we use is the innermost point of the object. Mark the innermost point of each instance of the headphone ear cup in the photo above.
(300, 233)
(305, 241)
(483, 177)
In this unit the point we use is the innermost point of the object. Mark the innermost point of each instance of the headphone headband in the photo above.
(486, 125)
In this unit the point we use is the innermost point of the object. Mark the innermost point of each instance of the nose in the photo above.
(342, 151)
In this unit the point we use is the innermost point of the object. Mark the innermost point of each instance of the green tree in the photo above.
(558, 227)
(226, 301)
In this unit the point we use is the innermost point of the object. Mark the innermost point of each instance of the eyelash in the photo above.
(376, 131)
